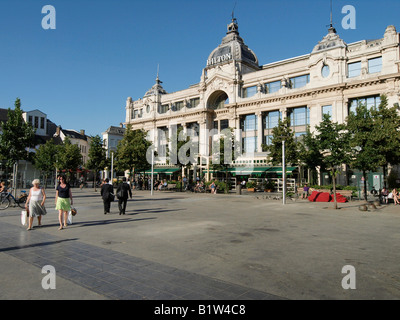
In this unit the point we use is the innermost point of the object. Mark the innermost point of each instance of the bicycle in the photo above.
(7, 198)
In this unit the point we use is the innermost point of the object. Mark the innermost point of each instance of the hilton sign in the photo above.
(223, 58)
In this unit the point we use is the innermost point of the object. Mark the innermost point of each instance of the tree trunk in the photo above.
(334, 188)
(365, 185)
(226, 181)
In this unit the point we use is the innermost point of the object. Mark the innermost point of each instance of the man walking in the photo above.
(106, 192)
(122, 195)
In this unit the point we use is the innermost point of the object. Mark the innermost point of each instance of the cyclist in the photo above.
(3, 188)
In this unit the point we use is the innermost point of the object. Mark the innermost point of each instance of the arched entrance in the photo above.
(217, 100)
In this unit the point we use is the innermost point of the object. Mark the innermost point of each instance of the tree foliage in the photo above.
(97, 160)
(68, 157)
(333, 142)
(45, 158)
(16, 137)
(385, 133)
(131, 151)
(281, 132)
(364, 155)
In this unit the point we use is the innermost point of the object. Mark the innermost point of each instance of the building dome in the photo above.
(232, 48)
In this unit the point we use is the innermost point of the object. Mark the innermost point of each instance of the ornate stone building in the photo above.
(236, 91)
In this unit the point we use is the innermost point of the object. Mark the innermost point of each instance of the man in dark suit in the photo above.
(107, 193)
(122, 195)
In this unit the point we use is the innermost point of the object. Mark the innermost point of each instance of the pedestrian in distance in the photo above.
(395, 196)
(306, 190)
(35, 200)
(63, 202)
(107, 193)
(122, 195)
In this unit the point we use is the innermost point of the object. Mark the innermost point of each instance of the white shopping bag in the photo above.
(24, 217)
(69, 220)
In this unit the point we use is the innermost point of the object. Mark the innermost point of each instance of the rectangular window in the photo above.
(135, 114)
(272, 87)
(36, 125)
(31, 120)
(249, 122)
(224, 124)
(178, 106)
(215, 125)
(41, 123)
(372, 101)
(327, 110)
(272, 119)
(250, 144)
(193, 103)
(354, 69)
(268, 140)
(249, 92)
(375, 65)
(299, 116)
(163, 108)
(299, 82)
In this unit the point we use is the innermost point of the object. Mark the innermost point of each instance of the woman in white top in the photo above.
(36, 199)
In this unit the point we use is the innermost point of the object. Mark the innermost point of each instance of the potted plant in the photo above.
(251, 186)
(268, 186)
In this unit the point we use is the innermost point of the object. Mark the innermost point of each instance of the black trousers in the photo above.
(122, 205)
(107, 205)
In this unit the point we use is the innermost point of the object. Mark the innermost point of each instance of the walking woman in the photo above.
(36, 199)
(63, 202)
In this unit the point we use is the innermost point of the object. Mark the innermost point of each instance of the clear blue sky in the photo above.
(103, 51)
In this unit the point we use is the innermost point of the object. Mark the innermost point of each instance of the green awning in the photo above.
(156, 170)
(245, 171)
(278, 170)
(171, 170)
(242, 171)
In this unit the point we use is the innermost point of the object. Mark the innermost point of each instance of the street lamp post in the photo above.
(283, 173)
(152, 171)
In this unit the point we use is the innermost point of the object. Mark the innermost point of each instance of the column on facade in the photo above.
(260, 131)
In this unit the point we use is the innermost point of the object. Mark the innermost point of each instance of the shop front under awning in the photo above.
(254, 171)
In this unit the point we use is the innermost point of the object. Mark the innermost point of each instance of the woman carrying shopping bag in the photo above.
(36, 200)
(63, 202)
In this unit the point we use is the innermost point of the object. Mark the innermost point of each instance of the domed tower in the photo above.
(233, 48)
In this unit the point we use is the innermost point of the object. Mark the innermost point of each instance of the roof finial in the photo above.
(233, 26)
(331, 28)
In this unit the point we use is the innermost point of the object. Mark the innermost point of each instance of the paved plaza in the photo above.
(185, 246)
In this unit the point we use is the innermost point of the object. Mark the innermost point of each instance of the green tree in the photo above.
(45, 159)
(364, 155)
(333, 141)
(16, 138)
(97, 160)
(386, 134)
(131, 151)
(310, 154)
(180, 151)
(281, 132)
(226, 145)
(69, 157)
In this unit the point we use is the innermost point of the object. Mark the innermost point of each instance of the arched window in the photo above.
(218, 100)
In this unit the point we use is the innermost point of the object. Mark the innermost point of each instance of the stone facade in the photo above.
(235, 91)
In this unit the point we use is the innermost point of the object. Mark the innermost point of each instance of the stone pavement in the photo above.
(183, 246)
